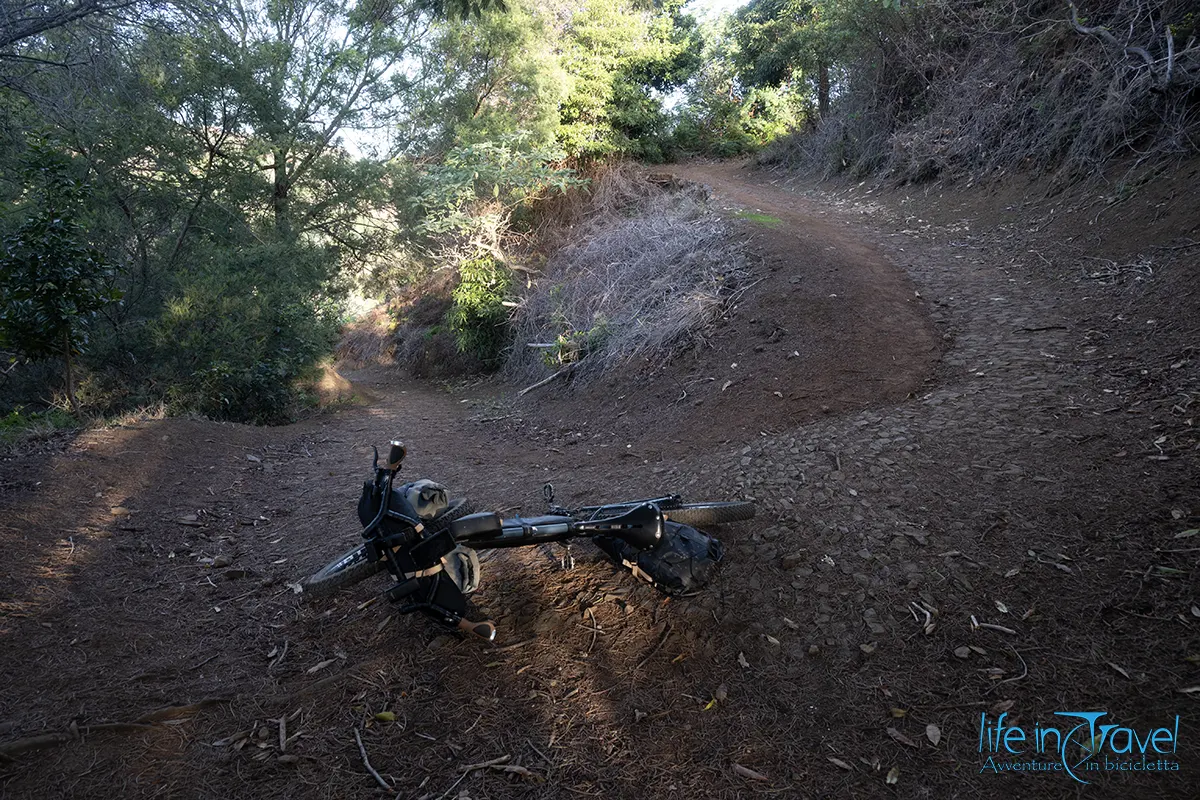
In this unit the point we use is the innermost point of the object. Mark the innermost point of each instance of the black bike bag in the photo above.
(683, 561)
(485, 523)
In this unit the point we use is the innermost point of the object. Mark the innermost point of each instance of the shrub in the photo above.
(241, 335)
(478, 316)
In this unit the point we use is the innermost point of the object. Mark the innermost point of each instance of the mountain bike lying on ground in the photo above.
(428, 543)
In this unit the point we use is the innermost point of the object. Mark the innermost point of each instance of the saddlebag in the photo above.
(684, 560)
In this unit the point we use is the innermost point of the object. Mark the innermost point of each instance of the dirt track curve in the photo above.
(959, 434)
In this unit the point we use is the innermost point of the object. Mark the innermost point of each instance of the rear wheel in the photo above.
(355, 564)
(702, 514)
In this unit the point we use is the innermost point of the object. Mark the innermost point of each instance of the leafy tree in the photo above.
(497, 74)
(52, 280)
(20, 22)
(725, 114)
(620, 55)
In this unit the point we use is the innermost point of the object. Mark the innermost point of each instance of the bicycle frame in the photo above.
(642, 527)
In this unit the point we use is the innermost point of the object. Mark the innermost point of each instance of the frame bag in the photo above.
(684, 561)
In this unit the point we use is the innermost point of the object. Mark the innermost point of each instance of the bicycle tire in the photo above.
(354, 566)
(701, 514)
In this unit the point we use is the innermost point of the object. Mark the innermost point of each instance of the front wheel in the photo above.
(355, 564)
(698, 515)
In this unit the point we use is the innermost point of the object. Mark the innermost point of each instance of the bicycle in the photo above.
(428, 543)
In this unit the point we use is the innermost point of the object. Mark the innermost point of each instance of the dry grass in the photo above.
(370, 340)
(646, 276)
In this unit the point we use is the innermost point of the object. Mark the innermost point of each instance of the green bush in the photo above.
(53, 282)
(241, 335)
(478, 316)
(20, 424)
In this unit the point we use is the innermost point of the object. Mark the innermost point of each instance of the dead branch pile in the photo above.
(988, 88)
(639, 283)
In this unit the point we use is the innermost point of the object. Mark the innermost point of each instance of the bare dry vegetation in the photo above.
(649, 268)
(980, 89)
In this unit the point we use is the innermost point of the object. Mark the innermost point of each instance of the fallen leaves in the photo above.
(893, 776)
(901, 738)
(837, 762)
(933, 733)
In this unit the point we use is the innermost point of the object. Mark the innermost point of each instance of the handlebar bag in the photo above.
(683, 561)
(423, 499)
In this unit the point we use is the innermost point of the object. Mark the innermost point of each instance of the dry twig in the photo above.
(367, 763)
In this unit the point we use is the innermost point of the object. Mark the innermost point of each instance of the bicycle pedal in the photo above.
(484, 630)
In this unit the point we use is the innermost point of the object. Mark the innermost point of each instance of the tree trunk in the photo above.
(823, 90)
(70, 374)
(279, 199)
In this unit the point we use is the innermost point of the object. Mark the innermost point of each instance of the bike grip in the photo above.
(396, 454)
(485, 629)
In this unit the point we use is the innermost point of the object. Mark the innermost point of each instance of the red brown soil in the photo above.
(112, 606)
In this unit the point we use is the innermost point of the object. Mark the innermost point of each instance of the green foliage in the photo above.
(621, 56)
(245, 160)
(508, 171)
(499, 73)
(52, 280)
(726, 116)
(766, 220)
(242, 330)
(478, 317)
(573, 346)
(20, 424)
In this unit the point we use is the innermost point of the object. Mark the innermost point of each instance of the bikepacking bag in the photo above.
(684, 561)
(421, 499)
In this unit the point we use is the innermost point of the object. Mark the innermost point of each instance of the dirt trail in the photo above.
(1027, 480)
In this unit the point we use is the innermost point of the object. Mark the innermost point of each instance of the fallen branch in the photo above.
(746, 772)
(562, 373)
(495, 762)
(1096, 30)
(1024, 673)
(44, 740)
(367, 763)
(500, 765)
(174, 712)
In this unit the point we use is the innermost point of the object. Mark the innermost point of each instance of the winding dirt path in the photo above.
(148, 565)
